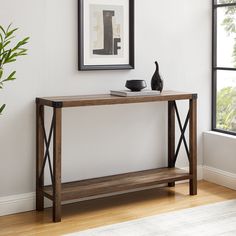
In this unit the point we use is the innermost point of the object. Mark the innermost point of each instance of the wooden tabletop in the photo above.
(107, 99)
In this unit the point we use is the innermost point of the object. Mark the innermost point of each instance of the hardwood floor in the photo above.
(115, 209)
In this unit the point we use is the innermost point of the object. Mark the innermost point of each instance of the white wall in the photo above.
(101, 140)
(219, 159)
(219, 151)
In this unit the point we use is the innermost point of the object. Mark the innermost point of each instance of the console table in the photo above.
(59, 191)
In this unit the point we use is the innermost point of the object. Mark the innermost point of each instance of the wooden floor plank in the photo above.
(115, 209)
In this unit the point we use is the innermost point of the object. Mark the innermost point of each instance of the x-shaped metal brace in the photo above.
(47, 144)
(182, 137)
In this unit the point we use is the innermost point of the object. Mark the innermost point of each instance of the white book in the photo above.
(128, 93)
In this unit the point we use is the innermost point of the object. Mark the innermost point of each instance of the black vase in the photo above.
(157, 82)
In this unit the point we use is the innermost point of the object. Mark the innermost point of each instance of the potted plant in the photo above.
(9, 54)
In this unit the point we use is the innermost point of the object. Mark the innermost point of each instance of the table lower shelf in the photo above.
(116, 183)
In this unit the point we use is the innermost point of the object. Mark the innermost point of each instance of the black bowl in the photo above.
(135, 85)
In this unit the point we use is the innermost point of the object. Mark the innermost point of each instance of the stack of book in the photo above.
(128, 93)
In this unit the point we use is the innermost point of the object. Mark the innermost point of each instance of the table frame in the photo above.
(165, 175)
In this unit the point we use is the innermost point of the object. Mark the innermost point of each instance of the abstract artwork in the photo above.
(106, 29)
(106, 34)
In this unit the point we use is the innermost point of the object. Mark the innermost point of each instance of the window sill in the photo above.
(219, 134)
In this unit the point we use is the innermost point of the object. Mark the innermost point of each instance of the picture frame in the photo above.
(106, 34)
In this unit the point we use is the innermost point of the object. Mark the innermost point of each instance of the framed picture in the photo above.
(106, 34)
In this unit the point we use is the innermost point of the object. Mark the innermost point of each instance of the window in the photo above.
(224, 66)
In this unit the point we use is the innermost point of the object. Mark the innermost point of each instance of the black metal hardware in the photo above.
(57, 104)
(182, 137)
(47, 144)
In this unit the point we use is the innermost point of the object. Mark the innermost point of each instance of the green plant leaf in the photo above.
(22, 52)
(1, 28)
(21, 43)
(12, 37)
(3, 56)
(9, 26)
(2, 108)
(12, 56)
(6, 43)
(6, 56)
(10, 77)
(11, 32)
(9, 61)
(9, 53)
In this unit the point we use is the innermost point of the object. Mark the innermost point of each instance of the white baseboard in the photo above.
(26, 202)
(219, 177)
(199, 173)
(17, 203)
